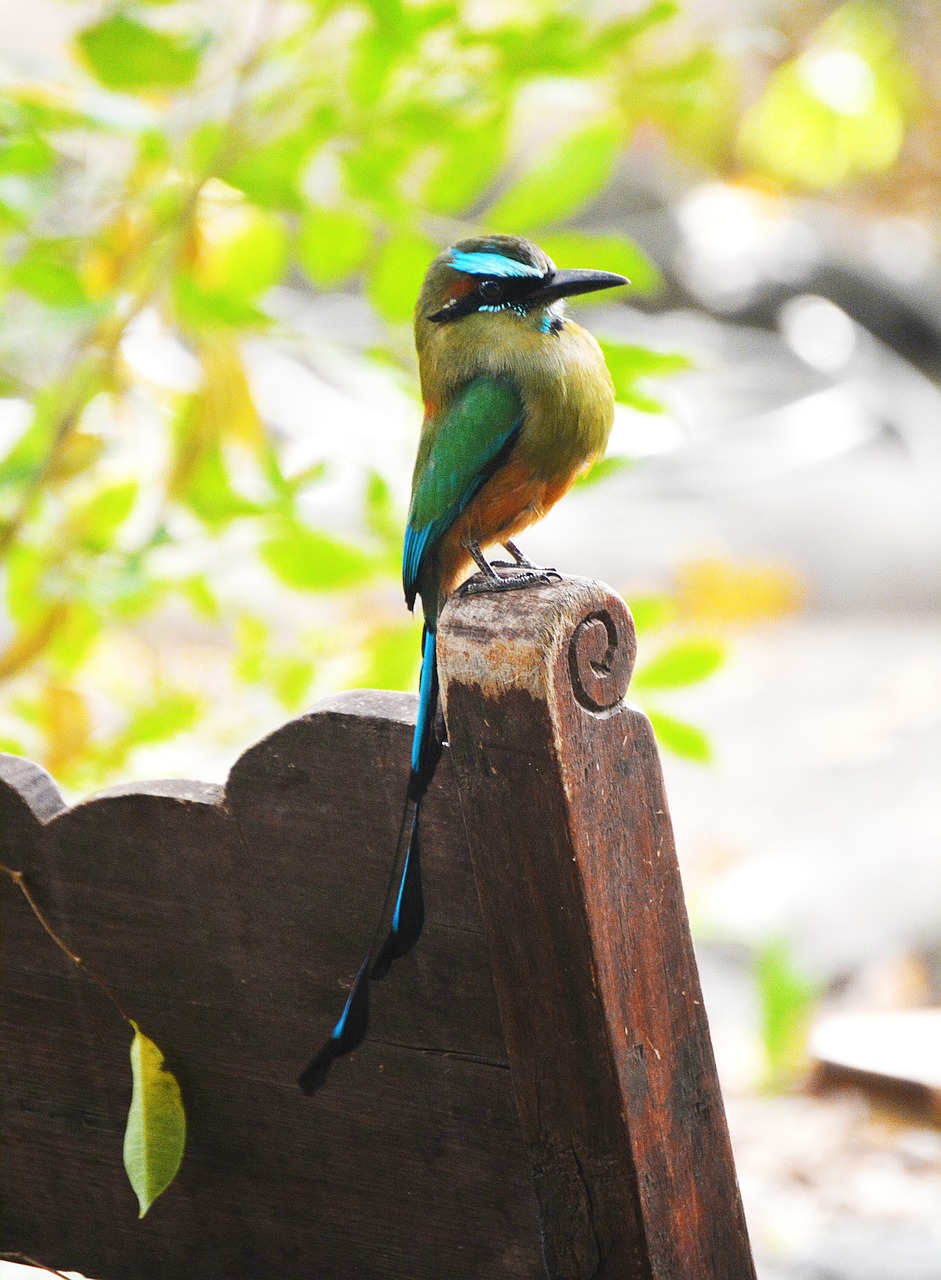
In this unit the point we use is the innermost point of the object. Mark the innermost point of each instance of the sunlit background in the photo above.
(215, 218)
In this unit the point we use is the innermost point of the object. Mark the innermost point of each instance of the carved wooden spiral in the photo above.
(601, 658)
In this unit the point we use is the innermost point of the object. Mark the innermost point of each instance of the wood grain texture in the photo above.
(231, 923)
(596, 979)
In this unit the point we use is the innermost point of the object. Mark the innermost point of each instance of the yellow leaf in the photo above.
(717, 590)
(78, 453)
(106, 261)
(226, 399)
(239, 250)
(66, 720)
(31, 640)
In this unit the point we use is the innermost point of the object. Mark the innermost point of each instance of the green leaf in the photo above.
(684, 663)
(393, 657)
(309, 560)
(625, 30)
(98, 520)
(27, 454)
(290, 678)
(287, 674)
(602, 253)
(168, 715)
(155, 1137)
(639, 400)
(563, 181)
(271, 174)
(27, 153)
(836, 112)
(26, 568)
(251, 639)
(373, 172)
(398, 273)
(200, 310)
(467, 162)
(124, 54)
(333, 244)
(297, 484)
(373, 57)
(131, 589)
(202, 597)
(545, 43)
(383, 519)
(681, 738)
(204, 146)
(73, 639)
(603, 469)
(242, 252)
(650, 612)
(209, 492)
(786, 1000)
(694, 100)
(47, 272)
(629, 363)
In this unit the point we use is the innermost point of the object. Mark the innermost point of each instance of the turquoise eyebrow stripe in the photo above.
(492, 264)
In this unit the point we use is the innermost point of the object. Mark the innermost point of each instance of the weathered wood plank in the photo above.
(230, 924)
(596, 980)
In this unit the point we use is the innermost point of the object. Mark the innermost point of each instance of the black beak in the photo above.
(566, 284)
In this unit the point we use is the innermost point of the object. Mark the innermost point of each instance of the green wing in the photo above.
(459, 451)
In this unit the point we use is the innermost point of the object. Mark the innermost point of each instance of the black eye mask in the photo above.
(493, 293)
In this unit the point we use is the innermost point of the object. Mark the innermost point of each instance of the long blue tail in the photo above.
(405, 886)
(409, 913)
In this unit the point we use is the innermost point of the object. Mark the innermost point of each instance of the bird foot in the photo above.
(526, 564)
(480, 585)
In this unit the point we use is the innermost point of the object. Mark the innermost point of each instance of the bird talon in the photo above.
(527, 564)
(480, 585)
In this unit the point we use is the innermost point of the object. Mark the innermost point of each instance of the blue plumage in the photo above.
(413, 552)
(346, 1036)
(427, 703)
(492, 264)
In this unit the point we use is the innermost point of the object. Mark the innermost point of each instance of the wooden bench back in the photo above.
(537, 1094)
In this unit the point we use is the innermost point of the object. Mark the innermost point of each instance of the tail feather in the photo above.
(426, 749)
(405, 888)
(346, 1036)
(409, 914)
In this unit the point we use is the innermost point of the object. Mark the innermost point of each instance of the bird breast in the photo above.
(562, 377)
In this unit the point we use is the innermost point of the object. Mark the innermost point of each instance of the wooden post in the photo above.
(582, 903)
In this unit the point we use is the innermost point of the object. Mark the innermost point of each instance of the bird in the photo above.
(518, 403)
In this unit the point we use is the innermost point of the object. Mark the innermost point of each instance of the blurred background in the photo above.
(214, 222)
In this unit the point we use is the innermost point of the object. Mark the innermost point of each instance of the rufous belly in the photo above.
(509, 502)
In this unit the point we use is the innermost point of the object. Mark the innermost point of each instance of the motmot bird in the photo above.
(518, 402)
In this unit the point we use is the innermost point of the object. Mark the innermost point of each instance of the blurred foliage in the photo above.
(838, 110)
(181, 189)
(720, 592)
(787, 999)
(672, 655)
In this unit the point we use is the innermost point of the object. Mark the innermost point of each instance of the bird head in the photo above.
(504, 280)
